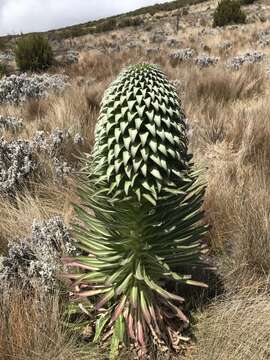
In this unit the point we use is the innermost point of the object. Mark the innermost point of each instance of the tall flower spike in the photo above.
(141, 141)
(143, 231)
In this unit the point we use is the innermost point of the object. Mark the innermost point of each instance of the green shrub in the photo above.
(3, 43)
(33, 53)
(129, 21)
(3, 70)
(107, 25)
(143, 235)
(228, 12)
(247, 2)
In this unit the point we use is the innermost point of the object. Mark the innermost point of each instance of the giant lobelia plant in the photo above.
(140, 219)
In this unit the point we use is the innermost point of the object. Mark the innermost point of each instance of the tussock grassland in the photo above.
(229, 115)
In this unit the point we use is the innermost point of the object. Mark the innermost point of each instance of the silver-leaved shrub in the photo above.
(15, 89)
(35, 261)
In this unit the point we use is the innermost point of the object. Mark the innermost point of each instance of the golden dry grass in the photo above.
(31, 329)
(234, 328)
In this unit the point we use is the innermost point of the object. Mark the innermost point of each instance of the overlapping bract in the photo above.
(146, 198)
(141, 146)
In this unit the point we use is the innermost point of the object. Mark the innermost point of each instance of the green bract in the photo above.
(143, 229)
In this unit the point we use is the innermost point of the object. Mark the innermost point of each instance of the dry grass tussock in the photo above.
(229, 114)
(238, 184)
(234, 328)
(44, 202)
(224, 87)
(31, 329)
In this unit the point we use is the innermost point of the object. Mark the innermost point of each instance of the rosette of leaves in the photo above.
(140, 215)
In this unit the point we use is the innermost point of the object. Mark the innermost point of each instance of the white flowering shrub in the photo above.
(251, 57)
(183, 54)
(57, 138)
(10, 123)
(55, 146)
(17, 162)
(158, 37)
(6, 56)
(19, 158)
(67, 57)
(78, 139)
(35, 261)
(56, 142)
(72, 57)
(61, 168)
(18, 88)
(204, 61)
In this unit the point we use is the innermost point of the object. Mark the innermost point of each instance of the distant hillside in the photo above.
(131, 18)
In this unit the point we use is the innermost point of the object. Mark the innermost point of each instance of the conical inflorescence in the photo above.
(141, 142)
(144, 230)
